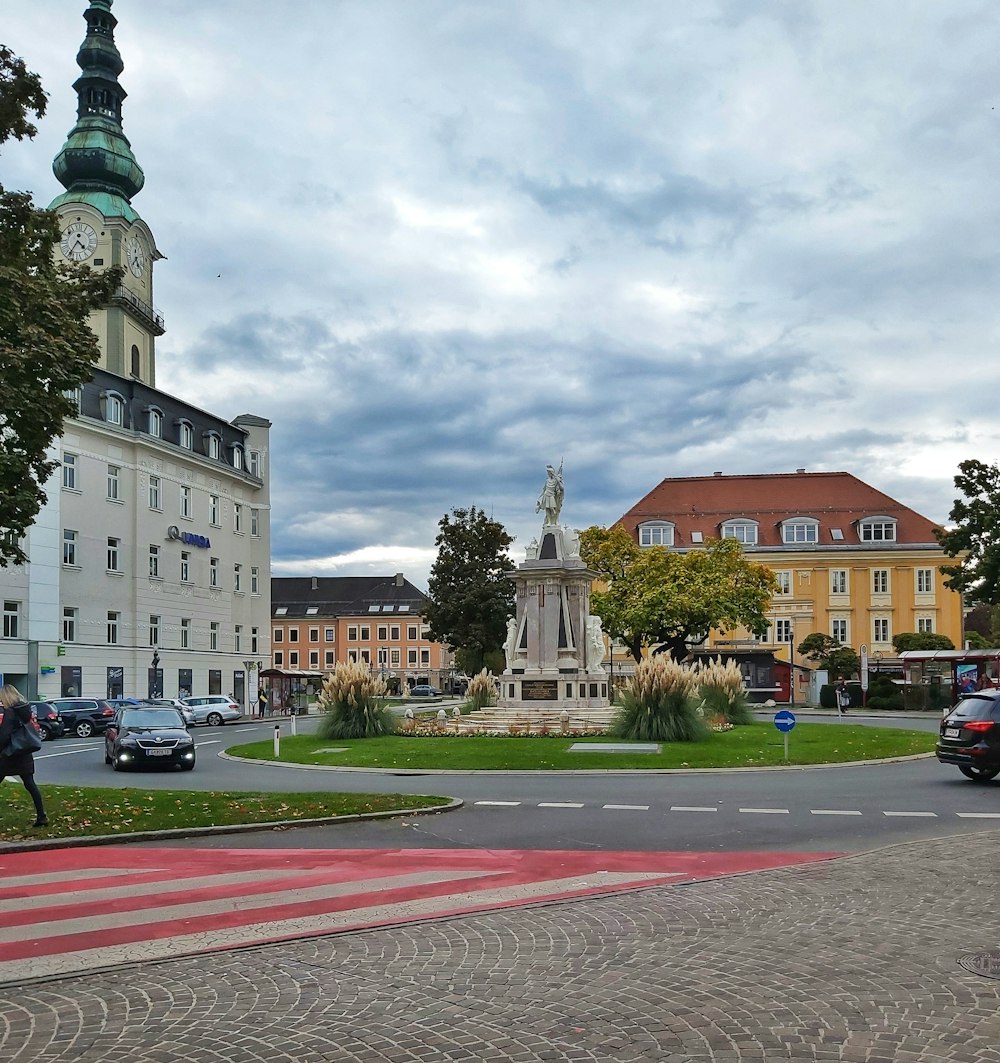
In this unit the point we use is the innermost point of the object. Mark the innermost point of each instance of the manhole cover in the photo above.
(985, 963)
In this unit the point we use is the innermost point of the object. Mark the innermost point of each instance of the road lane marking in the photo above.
(978, 815)
(912, 815)
(560, 804)
(500, 804)
(834, 812)
(693, 808)
(627, 808)
(67, 752)
(210, 742)
(767, 811)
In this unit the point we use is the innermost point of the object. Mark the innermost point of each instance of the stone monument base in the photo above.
(530, 690)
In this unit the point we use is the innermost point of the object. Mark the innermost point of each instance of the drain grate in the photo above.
(986, 963)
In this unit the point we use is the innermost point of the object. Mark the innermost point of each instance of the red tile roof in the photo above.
(835, 499)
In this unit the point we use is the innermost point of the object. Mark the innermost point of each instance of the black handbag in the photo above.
(24, 739)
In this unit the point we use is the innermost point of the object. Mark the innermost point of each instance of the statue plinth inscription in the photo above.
(540, 690)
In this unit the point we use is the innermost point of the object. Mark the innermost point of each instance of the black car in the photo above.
(50, 723)
(970, 736)
(84, 716)
(142, 736)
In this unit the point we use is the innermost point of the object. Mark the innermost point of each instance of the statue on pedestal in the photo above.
(510, 643)
(551, 499)
(595, 644)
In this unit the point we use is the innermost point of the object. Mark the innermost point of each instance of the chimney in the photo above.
(315, 583)
(399, 579)
(800, 470)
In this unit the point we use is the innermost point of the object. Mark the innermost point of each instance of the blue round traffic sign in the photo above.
(784, 720)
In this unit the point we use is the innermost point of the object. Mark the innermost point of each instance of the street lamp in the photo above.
(154, 685)
(791, 661)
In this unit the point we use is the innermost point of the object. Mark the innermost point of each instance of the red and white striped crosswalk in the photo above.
(72, 910)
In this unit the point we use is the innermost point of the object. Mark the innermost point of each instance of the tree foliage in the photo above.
(839, 660)
(46, 346)
(656, 597)
(471, 597)
(921, 640)
(975, 537)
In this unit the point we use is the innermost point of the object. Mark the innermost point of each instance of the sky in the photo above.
(440, 244)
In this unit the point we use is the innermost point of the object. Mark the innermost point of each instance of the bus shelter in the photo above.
(289, 689)
(948, 674)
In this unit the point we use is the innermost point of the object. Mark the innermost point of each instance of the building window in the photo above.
(800, 531)
(881, 630)
(314, 634)
(75, 397)
(383, 632)
(411, 658)
(185, 567)
(154, 492)
(113, 477)
(113, 620)
(278, 635)
(69, 471)
(254, 579)
(877, 531)
(185, 435)
(213, 445)
(782, 631)
(185, 633)
(742, 531)
(136, 361)
(925, 580)
(784, 579)
(254, 640)
(213, 572)
(329, 659)
(293, 659)
(838, 581)
(114, 408)
(186, 501)
(238, 518)
(411, 632)
(394, 633)
(925, 625)
(838, 629)
(255, 523)
(114, 554)
(253, 463)
(293, 634)
(394, 658)
(352, 633)
(237, 456)
(155, 422)
(154, 562)
(238, 578)
(278, 659)
(213, 635)
(213, 510)
(365, 633)
(154, 631)
(880, 581)
(366, 656)
(329, 634)
(237, 638)
(425, 657)
(11, 619)
(70, 618)
(656, 535)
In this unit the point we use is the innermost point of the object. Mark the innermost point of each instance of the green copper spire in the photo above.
(96, 164)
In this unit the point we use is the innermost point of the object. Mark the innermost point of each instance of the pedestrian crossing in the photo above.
(67, 911)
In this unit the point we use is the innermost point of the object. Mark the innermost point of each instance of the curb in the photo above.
(233, 828)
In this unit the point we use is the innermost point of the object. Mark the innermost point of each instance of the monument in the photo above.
(554, 646)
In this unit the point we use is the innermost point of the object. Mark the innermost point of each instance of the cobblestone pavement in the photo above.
(855, 960)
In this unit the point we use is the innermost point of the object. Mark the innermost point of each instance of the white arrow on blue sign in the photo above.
(784, 720)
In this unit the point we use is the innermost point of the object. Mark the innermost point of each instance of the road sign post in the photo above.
(784, 721)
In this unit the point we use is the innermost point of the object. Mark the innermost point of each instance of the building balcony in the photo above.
(146, 314)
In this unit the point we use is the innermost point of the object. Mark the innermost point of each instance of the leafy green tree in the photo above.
(470, 594)
(46, 345)
(660, 598)
(921, 640)
(975, 537)
(839, 660)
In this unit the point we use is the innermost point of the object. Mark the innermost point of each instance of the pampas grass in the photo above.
(720, 687)
(660, 704)
(482, 691)
(353, 705)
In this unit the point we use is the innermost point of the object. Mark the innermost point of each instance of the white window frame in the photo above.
(214, 509)
(11, 619)
(880, 581)
(784, 578)
(213, 635)
(238, 518)
(186, 502)
(154, 422)
(330, 634)
(185, 434)
(255, 523)
(743, 531)
(799, 532)
(69, 472)
(877, 530)
(114, 408)
(114, 483)
(185, 567)
(925, 580)
(154, 630)
(839, 624)
(783, 630)
(70, 620)
(293, 658)
(838, 581)
(237, 638)
(185, 633)
(881, 631)
(154, 562)
(213, 572)
(154, 493)
(69, 544)
(237, 578)
(254, 579)
(656, 533)
(114, 553)
(925, 625)
(329, 658)
(114, 620)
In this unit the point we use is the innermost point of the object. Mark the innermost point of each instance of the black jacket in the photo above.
(20, 763)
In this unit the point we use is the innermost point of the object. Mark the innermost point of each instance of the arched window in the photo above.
(185, 434)
(155, 421)
(213, 445)
(656, 533)
(237, 451)
(113, 407)
(877, 530)
(800, 530)
(136, 361)
(743, 531)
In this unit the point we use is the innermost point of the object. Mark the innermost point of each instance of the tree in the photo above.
(656, 597)
(921, 640)
(471, 597)
(46, 346)
(830, 653)
(976, 535)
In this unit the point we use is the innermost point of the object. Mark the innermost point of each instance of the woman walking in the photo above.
(15, 713)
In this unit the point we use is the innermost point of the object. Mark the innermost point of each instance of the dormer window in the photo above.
(800, 530)
(877, 530)
(237, 452)
(154, 422)
(656, 533)
(185, 434)
(213, 445)
(743, 531)
(113, 407)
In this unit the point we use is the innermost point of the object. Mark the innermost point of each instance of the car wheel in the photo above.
(214, 720)
(115, 766)
(978, 774)
(43, 735)
(84, 729)
(107, 757)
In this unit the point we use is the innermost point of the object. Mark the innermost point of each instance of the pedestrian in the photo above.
(261, 702)
(843, 698)
(14, 713)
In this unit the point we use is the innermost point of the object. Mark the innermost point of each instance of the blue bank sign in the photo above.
(190, 539)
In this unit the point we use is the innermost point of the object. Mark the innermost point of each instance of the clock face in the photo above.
(135, 256)
(79, 241)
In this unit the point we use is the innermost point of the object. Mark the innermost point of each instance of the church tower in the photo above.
(99, 225)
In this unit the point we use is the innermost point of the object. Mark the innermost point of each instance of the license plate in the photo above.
(158, 752)
(951, 732)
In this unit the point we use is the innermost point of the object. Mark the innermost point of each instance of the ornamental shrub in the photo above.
(722, 692)
(660, 704)
(482, 691)
(353, 704)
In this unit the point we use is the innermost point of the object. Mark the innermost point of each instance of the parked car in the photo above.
(173, 703)
(143, 736)
(424, 690)
(50, 723)
(84, 716)
(970, 736)
(213, 709)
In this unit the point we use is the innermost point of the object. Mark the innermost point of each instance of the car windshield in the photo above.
(152, 718)
(974, 707)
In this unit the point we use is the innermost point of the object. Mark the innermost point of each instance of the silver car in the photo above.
(213, 709)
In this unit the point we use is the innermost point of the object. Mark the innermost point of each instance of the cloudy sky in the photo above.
(442, 243)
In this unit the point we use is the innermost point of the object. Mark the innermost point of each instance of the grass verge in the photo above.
(754, 746)
(77, 811)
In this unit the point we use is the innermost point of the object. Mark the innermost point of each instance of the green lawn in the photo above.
(754, 746)
(76, 811)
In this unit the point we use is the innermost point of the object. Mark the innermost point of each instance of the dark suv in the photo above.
(50, 723)
(970, 736)
(84, 716)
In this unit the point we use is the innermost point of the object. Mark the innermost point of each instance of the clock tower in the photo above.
(99, 225)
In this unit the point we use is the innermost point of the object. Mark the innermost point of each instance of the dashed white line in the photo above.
(559, 804)
(767, 811)
(978, 815)
(628, 808)
(500, 804)
(693, 808)
(912, 815)
(834, 812)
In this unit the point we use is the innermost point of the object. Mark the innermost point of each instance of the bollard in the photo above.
(294, 732)
(277, 739)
